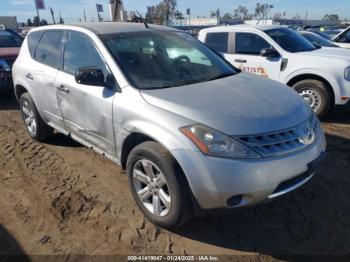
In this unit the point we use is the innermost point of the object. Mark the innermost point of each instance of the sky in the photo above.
(72, 10)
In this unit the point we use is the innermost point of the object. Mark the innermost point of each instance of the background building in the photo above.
(10, 22)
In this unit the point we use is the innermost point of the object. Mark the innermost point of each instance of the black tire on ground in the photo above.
(181, 210)
(315, 87)
(43, 131)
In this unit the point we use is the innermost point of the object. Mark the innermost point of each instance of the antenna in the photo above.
(142, 19)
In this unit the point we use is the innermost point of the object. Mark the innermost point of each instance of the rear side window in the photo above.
(48, 50)
(250, 44)
(33, 40)
(217, 41)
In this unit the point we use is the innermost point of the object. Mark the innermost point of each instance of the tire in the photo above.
(162, 162)
(316, 94)
(42, 131)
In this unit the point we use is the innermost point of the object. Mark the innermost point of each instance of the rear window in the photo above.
(33, 40)
(217, 42)
(48, 50)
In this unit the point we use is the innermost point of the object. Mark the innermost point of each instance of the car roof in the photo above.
(109, 27)
(244, 27)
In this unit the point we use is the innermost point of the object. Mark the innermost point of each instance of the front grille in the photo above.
(282, 142)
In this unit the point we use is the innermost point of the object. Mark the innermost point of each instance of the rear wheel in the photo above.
(35, 125)
(158, 185)
(316, 95)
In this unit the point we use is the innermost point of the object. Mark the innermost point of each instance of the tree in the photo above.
(331, 17)
(213, 14)
(29, 22)
(36, 21)
(43, 22)
(170, 7)
(241, 13)
(179, 15)
(227, 16)
(161, 13)
(262, 10)
(277, 16)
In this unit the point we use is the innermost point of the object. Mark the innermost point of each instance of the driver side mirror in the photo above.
(269, 53)
(91, 76)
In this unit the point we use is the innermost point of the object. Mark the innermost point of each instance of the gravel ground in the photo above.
(60, 198)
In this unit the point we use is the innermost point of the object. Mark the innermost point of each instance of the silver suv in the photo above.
(190, 129)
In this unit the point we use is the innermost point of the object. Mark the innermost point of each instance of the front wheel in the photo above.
(316, 95)
(158, 185)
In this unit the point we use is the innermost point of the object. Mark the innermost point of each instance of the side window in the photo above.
(250, 44)
(217, 41)
(80, 52)
(33, 40)
(48, 50)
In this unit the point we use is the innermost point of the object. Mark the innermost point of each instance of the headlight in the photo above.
(347, 73)
(4, 65)
(213, 143)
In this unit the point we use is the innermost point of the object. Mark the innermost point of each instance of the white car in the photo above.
(343, 38)
(320, 75)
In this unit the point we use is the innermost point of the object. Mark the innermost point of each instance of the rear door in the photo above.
(219, 42)
(87, 110)
(246, 56)
(41, 73)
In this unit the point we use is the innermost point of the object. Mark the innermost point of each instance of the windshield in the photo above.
(316, 39)
(290, 40)
(10, 39)
(157, 59)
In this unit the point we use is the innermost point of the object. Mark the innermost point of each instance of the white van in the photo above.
(320, 75)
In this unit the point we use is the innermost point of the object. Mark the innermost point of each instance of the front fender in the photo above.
(333, 81)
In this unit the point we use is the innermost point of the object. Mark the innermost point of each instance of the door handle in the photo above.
(29, 76)
(63, 89)
(240, 60)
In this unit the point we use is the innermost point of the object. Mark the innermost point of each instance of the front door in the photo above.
(246, 56)
(87, 110)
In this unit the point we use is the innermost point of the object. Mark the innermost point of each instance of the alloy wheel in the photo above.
(151, 187)
(29, 118)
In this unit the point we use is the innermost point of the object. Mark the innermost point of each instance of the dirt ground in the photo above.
(62, 198)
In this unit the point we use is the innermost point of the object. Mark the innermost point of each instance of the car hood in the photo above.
(331, 52)
(9, 52)
(242, 104)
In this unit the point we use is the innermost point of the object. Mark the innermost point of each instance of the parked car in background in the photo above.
(317, 39)
(321, 76)
(333, 33)
(189, 128)
(322, 34)
(342, 38)
(10, 43)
